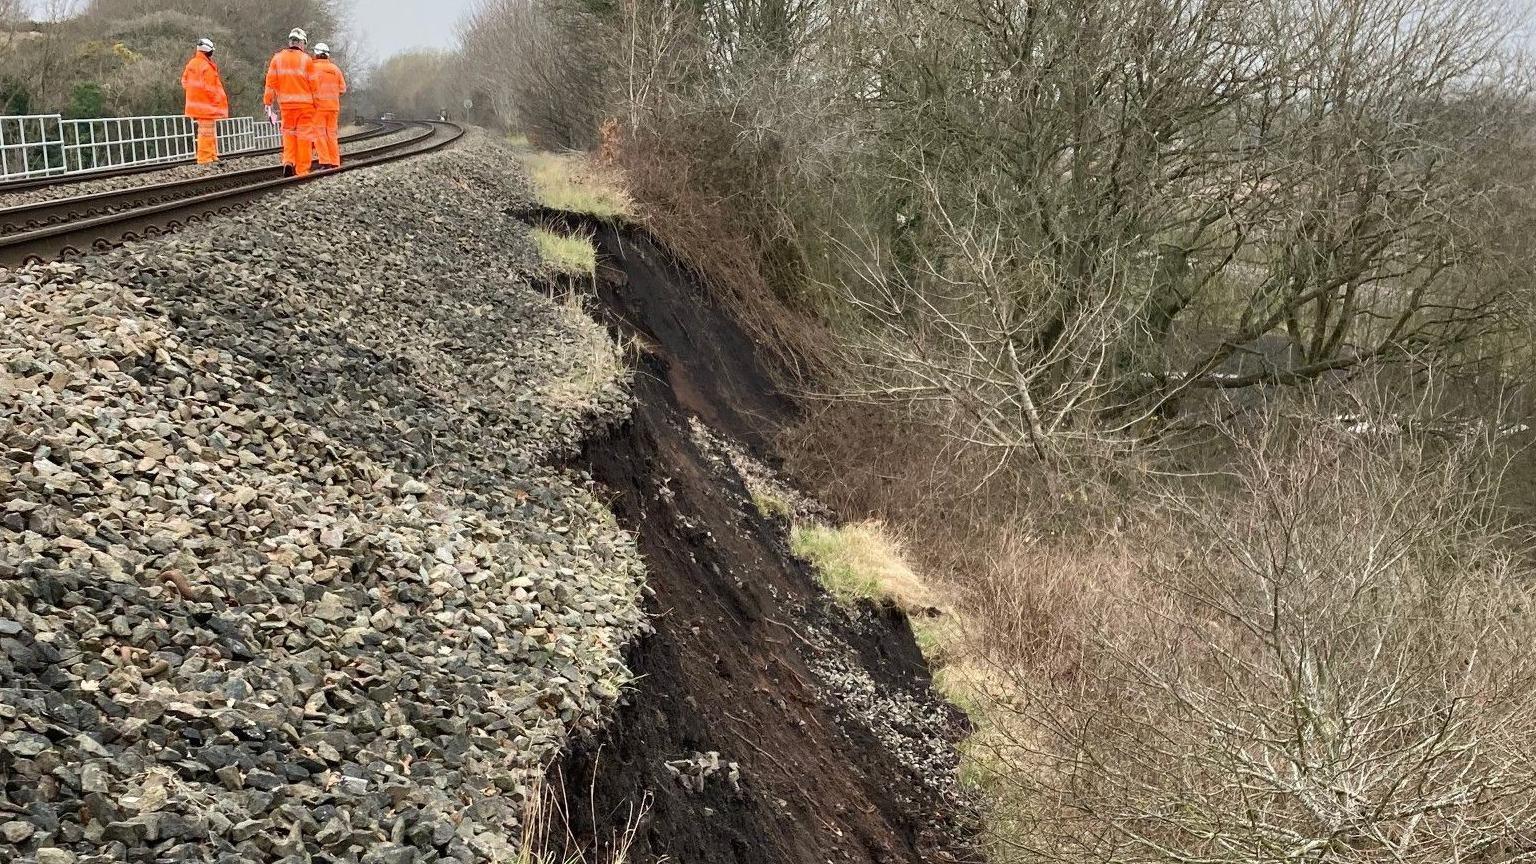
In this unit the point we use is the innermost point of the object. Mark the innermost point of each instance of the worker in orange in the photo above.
(207, 103)
(328, 84)
(289, 88)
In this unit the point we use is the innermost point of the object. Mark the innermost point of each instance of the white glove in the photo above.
(272, 115)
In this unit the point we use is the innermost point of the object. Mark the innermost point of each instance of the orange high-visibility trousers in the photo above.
(328, 130)
(207, 141)
(298, 137)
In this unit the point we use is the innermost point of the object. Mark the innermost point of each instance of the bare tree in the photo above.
(1162, 186)
(11, 19)
(953, 329)
(1330, 660)
(416, 83)
(542, 65)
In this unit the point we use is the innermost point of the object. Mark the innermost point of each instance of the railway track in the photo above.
(52, 229)
(376, 130)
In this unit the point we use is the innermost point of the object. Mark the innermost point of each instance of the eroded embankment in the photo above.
(285, 572)
(831, 744)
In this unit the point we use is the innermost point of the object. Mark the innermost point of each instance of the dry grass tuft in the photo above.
(566, 254)
(567, 182)
(862, 560)
(600, 365)
(546, 826)
(771, 506)
(572, 183)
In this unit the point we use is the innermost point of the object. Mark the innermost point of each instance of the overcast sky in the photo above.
(392, 26)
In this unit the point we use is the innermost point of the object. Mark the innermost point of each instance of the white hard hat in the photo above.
(205, 46)
(322, 48)
(298, 33)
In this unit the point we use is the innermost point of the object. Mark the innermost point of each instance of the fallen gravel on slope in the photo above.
(282, 575)
(178, 172)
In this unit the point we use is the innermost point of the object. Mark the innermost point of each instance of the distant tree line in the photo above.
(420, 83)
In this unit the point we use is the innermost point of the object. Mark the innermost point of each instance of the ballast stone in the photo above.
(261, 526)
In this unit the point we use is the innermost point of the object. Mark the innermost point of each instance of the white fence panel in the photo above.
(46, 145)
(31, 146)
(117, 142)
(268, 135)
(236, 134)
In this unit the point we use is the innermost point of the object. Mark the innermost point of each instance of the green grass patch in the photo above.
(861, 560)
(570, 182)
(835, 563)
(866, 561)
(567, 254)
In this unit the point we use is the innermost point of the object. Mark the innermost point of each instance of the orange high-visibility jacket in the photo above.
(206, 99)
(327, 82)
(288, 80)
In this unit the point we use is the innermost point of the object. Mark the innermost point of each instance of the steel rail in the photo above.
(204, 199)
(377, 130)
(40, 214)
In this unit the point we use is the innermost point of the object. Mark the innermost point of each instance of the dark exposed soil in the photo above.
(712, 368)
(743, 634)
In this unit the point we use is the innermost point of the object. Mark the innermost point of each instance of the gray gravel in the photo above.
(911, 724)
(283, 575)
(174, 173)
(763, 483)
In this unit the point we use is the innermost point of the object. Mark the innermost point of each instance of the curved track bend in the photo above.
(52, 229)
(373, 130)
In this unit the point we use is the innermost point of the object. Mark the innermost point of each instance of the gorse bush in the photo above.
(14, 98)
(87, 100)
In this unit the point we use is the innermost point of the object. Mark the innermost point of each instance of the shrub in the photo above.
(14, 98)
(87, 100)
(1332, 658)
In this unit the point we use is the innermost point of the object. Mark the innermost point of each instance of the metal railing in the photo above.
(30, 147)
(242, 134)
(92, 145)
(47, 145)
